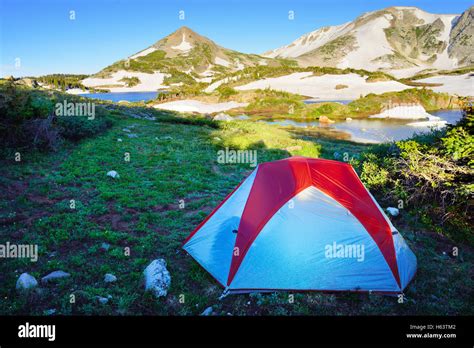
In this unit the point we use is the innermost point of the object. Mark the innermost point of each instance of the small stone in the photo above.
(49, 311)
(110, 278)
(207, 312)
(113, 174)
(222, 117)
(119, 140)
(126, 130)
(102, 300)
(105, 246)
(348, 119)
(132, 135)
(26, 282)
(393, 211)
(54, 276)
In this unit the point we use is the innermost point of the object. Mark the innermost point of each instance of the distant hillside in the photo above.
(182, 57)
(391, 39)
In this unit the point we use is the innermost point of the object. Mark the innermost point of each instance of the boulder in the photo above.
(26, 282)
(157, 278)
(53, 276)
(325, 119)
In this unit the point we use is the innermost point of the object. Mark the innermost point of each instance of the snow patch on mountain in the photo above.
(143, 53)
(462, 85)
(324, 87)
(148, 82)
(310, 41)
(371, 44)
(183, 46)
(223, 62)
(198, 106)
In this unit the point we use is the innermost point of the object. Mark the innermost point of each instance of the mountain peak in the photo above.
(184, 29)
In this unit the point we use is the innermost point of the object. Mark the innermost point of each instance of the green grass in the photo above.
(173, 159)
(277, 104)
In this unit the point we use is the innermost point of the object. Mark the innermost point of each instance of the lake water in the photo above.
(119, 96)
(319, 101)
(377, 130)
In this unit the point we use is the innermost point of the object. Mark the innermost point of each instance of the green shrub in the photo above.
(226, 91)
(373, 176)
(28, 119)
(433, 174)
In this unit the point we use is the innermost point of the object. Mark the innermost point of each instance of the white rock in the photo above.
(207, 312)
(132, 135)
(54, 276)
(222, 117)
(393, 211)
(26, 282)
(102, 300)
(110, 278)
(348, 119)
(113, 174)
(126, 130)
(157, 278)
(119, 140)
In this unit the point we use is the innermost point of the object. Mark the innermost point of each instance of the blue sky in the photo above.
(44, 38)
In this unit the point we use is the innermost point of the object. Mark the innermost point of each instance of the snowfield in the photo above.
(324, 87)
(371, 44)
(143, 53)
(405, 112)
(221, 61)
(310, 41)
(462, 85)
(148, 82)
(76, 91)
(198, 106)
(183, 46)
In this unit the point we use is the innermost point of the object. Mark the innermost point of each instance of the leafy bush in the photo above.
(433, 174)
(226, 91)
(76, 128)
(130, 81)
(29, 121)
(373, 175)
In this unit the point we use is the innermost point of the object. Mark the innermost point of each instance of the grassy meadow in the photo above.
(173, 160)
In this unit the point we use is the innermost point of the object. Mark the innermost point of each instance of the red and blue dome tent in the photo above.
(302, 224)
